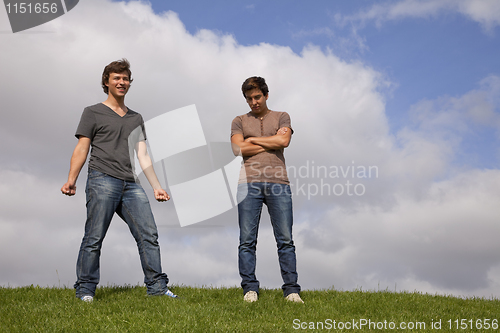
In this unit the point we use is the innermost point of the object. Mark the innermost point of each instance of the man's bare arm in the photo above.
(241, 147)
(147, 167)
(77, 161)
(279, 141)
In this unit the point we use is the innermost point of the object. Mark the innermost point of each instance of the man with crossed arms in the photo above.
(260, 136)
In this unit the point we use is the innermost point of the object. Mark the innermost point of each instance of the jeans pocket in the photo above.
(94, 174)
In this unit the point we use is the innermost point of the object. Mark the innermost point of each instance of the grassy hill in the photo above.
(128, 309)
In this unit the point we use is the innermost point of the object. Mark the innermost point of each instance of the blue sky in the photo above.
(443, 53)
(425, 57)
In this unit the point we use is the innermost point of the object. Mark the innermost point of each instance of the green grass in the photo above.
(128, 309)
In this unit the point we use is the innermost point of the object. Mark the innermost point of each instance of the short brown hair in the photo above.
(118, 66)
(255, 82)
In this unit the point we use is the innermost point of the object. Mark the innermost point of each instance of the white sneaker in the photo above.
(294, 297)
(171, 294)
(87, 298)
(251, 296)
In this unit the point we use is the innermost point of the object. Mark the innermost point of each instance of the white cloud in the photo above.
(454, 121)
(484, 12)
(419, 212)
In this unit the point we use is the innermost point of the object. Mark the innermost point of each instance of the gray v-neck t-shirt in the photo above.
(113, 139)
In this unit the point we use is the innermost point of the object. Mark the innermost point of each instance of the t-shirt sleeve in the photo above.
(236, 126)
(285, 121)
(143, 131)
(87, 125)
(136, 136)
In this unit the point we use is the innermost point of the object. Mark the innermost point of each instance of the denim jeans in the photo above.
(278, 199)
(107, 195)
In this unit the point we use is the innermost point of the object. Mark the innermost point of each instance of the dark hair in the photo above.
(255, 82)
(118, 66)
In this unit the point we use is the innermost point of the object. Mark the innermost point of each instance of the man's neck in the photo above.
(261, 114)
(116, 104)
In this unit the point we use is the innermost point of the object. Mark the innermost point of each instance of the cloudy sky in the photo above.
(394, 160)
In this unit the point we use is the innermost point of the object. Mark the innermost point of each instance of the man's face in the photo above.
(118, 84)
(256, 100)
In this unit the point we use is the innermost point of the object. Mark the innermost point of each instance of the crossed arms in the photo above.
(255, 145)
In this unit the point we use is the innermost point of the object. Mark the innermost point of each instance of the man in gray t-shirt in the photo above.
(115, 133)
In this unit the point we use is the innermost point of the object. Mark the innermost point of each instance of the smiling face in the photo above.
(257, 101)
(118, 84)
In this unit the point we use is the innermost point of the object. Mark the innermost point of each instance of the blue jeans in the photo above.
(107, 195)
(278, 199)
